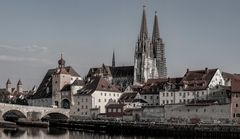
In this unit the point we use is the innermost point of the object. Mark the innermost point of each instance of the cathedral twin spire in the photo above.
(149, 60)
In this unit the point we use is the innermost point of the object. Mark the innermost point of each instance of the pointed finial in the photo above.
(144, 6)
(155, 12)
(61, 55)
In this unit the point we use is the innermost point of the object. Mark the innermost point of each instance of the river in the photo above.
(55, 133)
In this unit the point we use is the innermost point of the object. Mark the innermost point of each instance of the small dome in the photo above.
(61, 62)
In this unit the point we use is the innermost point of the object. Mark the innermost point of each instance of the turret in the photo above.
(9, 86)
(19, 86)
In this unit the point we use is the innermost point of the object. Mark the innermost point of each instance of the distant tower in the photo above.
(159, 50)
(19, 86)
(113, 59)
(144, 62)
(9, 86)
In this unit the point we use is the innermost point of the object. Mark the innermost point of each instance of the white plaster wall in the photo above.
(104, 97)
(152, 99)
(217, 79)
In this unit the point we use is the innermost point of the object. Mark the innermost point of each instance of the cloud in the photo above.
(30, 48)
(22, 59)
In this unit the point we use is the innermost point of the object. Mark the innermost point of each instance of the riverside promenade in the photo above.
(152, 128)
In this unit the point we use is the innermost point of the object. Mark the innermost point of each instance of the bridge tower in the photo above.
(60, 78)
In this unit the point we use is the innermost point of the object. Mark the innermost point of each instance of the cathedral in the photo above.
(149, 58)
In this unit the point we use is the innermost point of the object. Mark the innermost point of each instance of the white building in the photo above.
(94, 95)
(194, 86)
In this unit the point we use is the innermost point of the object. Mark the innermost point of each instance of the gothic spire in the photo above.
(143, 30)
(156, 34)
(113, 59)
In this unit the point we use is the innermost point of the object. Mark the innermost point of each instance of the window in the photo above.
(105, 100)
(151, 97)
(167, 94)
(109, 94)
(204, 110)
(236, 105)
(188, 93)
(85, 113)
(163, 94)
(171, 93)
(180, 94)
(171, 101)
(86, 107)
(114, 110)
(101, 94)
(86, 100)
(145, 97)
(163, 101)
(82, 99)
(157, 97)
(196, 110)
(114, 95)
(167, 101)
(119, 110)
(180, 101)
(82, 107)
(78, 109)
(188, 110)
(109, 110)
(202, 93)
(78, 103)
(99, 100)
(105, 94)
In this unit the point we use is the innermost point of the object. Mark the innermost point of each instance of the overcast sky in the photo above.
(33, 34)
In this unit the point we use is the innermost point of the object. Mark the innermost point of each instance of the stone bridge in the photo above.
(33, 112)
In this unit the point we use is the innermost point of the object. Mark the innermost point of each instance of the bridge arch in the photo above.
(54, 115)
(13, 114)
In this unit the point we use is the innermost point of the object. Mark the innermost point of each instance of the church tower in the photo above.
(159, 50)
(113, 59)
(149, 58)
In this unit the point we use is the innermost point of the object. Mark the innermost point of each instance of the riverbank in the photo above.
(153, 129)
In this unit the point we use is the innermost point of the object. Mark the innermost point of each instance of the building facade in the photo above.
(94, 95)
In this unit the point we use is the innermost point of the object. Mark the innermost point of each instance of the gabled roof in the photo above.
(198, 79)
(97, 83)
(127, 97)
(45, 88)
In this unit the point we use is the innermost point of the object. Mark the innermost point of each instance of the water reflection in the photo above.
(56, 133)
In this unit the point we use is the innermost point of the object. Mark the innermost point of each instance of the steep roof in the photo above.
(127, 97)
(45, 88)
(120, 71)
(97, 83)
(198, 79)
